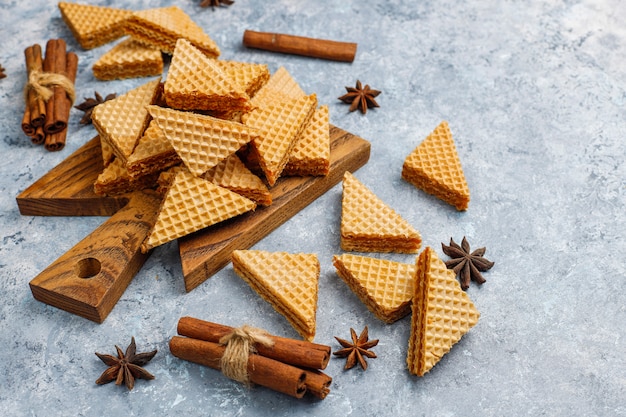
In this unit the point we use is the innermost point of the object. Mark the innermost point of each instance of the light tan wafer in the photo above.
(115, 180)
(129, 59)
(441, 313)
(281, 86)
(434, 166)
(191, 204)
(280, 125)
(311, 154)
(122, 120)
(231, 173)
(153, 153)
(289, 282)
(162, 27)
(370, 225)
(249, 77)
(196, 82)
(201, 141)
(384, 286)
(94, 26)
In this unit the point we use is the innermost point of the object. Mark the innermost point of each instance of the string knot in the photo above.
(42, 82)
(240, 343)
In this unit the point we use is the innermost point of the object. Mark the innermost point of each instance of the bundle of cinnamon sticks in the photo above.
(49, 93)
(284, 365)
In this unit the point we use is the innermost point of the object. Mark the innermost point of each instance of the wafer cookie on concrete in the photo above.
(191, 204)
(370, 225)
(280, 125)
(162, 27)
(289, 282)
(122, 120)
(441, 313)
(384, 286)
(129, 59)
(201, 141)
(311, 154)
(153, 153)
(196, 82)
(434, 166)
(94, 26)
(232, 174)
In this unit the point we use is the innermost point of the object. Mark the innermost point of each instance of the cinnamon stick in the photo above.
(55, 141)
(55, 62)
(262, 371)
(35, 108)
(300, 45)
(291, 351)
(317, 383)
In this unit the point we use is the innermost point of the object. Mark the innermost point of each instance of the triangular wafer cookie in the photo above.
(162, 27)
(281, 86)
(129, 59)
(94, 26)
(370, 225)
(441, 313)
(122, 120)
(191, 204)
(434, 166)
(201, 141)
(153, 153)
(384, 286)
(248, 76)
(311, 154)
(289, 282)
(280, 125)
(115, 180)
(196, 82)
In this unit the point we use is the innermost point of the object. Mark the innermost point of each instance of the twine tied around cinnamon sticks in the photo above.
(239, 344)
(42, 82)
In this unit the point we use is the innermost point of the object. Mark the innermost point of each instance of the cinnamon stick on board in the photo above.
(262, 371)
(56, 141)
(294, 352)
(300, 45)
(35, 108)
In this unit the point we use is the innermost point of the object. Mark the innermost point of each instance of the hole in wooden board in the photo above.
(87, 268)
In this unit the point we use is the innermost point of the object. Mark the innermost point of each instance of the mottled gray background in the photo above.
(534, 92)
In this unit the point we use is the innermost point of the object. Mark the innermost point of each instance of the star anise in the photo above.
(356, 350)
(213, 3)
(468, 264)
(2, 74)
(126, 367)
(88, 105)
(360, 98)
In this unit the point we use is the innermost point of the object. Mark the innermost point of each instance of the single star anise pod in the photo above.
(2, 74)
(360, 98)
(213, 3)
(88, 105)
(126, 367)
(468, 264)
(356, 350)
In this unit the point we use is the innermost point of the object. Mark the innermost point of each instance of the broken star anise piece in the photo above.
(126, 367)
(213, 3)
(356, 350)
(360, 98)
(468, 264)
(89, 104)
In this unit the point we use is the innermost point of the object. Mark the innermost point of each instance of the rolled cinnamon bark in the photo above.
(262, 371)
(317, 383)
(55, 62)
(294, 352)
(300, 45)
(35, 108)
(56, 141)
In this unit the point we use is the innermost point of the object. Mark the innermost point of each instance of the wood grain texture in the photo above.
(67, 189)
(204, 253)
(89, 279)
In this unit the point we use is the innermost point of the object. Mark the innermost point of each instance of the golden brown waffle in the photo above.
(201, 141)
(247, 76)
(311, 154)
(153, 153)
(289, 282)
(191, 204)
(281, 86)
(196, 82)
(232, 174)
(385, 287)
(162, 27)
(370, 225)
(280, 125)
(121, 121)
(441, 313)
(434, 167)
(129, 59)
(115, 180)
(107, 153)
(94, 26)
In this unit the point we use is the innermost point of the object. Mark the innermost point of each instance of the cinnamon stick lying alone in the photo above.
(300, 45)
(263, 371)
(294, 352)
